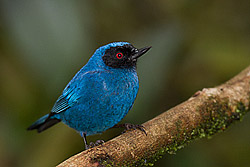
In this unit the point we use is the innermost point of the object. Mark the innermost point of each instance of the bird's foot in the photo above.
(129, 126)
(92, 144)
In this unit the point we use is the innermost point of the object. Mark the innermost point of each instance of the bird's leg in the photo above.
(91, 144)
(85, 140)
(129, 126)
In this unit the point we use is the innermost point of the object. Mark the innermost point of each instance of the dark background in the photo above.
(196, 44)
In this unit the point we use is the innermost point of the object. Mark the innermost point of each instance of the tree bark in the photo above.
(207, 112)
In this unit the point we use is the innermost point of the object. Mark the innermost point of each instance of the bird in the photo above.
(100, 94)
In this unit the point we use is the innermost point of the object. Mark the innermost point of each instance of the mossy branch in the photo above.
(207, 112)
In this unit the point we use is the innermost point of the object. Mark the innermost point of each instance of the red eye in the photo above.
(119, 55)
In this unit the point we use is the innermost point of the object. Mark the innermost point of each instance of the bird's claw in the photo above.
(99, 142)
(92, 144)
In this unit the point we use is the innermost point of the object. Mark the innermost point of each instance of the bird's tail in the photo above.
(43, 123)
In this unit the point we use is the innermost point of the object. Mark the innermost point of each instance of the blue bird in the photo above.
(100, 94)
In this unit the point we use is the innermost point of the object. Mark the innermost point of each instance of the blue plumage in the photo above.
(100, 94)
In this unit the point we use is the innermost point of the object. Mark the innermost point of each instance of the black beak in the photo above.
(139, 52)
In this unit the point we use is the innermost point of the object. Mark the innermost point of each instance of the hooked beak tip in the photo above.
(141, 52)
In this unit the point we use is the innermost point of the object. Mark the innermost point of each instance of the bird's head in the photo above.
(119, 55)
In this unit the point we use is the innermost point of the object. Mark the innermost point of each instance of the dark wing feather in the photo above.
(74, 90)
(60, 105)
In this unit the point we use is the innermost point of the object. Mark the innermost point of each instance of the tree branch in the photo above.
(207, 112)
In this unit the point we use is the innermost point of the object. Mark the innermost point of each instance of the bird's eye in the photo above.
(119, 55)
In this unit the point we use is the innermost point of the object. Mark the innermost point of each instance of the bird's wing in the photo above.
(61, 105)
(76, 89)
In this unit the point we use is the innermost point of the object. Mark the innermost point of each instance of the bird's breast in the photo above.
(122, 83)
(104, 100)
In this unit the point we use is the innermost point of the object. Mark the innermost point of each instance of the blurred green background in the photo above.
(196, 44)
